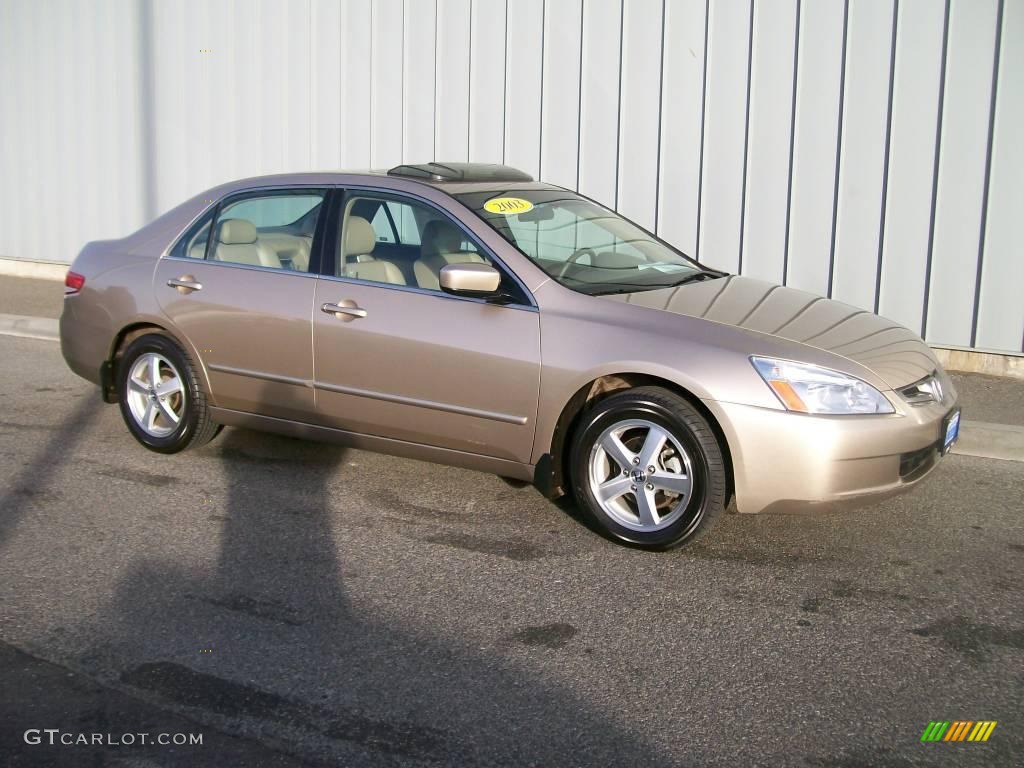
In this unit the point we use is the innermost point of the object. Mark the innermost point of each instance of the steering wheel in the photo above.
(578, 254)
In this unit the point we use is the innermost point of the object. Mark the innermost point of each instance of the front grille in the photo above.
(926, 390)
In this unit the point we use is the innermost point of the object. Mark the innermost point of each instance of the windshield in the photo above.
(580, 244)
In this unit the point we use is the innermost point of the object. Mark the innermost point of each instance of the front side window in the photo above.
(581, 244)
(404, 242)
(395, 222)
(272, 230)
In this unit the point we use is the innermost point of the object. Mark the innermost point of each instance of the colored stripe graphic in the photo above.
(958, 730)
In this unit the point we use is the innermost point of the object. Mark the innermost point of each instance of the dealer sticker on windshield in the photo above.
(509, 206)
(664, 267)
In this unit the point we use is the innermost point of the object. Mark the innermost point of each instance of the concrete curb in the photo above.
(38, 270)
(973, 361)
(26, 327)
(990, 441)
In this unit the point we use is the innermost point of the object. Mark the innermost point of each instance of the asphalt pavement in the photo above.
(303, 604)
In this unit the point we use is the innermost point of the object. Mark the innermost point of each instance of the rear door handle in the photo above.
(346, 307)
(185, 284)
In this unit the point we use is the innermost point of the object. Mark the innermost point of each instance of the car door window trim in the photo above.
(235, 265)
(426, 292)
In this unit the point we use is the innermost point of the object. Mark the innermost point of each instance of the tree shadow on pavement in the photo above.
(295, 666)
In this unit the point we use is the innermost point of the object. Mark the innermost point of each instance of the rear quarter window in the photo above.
(192, 244)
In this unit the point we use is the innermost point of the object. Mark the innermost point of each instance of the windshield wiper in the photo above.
(623, 290)
(695, 277)
(705, 275)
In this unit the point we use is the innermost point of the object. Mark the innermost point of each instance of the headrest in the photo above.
(359, 236)
(375, 271)
(236, 232)
(440, 237)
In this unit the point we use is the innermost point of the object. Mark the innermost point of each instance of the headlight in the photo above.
(811, 389)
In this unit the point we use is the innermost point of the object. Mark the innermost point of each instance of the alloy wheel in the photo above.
(640, 474)
(156, 395)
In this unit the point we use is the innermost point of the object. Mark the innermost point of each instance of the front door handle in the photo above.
(185, 284)
(346, 310)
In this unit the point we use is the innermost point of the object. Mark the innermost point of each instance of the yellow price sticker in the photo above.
(509, 206)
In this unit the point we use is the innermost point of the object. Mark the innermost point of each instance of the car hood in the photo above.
(895, 354)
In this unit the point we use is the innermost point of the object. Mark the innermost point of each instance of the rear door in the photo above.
(240, 286)
(410, 362)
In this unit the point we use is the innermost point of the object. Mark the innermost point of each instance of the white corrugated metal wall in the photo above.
(870, 150)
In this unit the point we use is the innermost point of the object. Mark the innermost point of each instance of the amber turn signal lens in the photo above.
(788, 395)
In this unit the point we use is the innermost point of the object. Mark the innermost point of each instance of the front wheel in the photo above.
(648, 469)
(161, 400)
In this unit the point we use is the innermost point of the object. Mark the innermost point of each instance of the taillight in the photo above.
(73, 283)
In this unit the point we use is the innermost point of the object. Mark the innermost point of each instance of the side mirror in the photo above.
(471, 279)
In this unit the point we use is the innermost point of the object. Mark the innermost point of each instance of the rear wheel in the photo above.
(648, 469)
(161, 401)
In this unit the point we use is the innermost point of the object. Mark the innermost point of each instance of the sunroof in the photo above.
(460, 172)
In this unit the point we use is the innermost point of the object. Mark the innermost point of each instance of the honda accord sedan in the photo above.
(469, 315)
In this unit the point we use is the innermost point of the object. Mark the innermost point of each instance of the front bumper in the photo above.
(785, 461)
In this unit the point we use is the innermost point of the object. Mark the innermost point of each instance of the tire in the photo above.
(149, 411)
(642, 428)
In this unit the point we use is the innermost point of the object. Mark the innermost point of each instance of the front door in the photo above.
(398, 358)
(242, 292)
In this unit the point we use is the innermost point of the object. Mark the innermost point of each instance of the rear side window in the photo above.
(285, 220)
(272, 230)
(274, 210)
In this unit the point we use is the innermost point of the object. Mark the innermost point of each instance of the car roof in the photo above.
(438, 172)
(452, 178)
